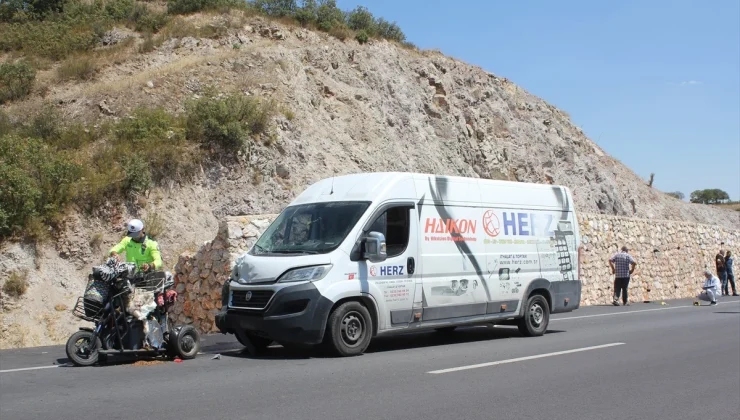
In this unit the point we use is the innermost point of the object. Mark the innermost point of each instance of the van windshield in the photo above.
(315, 228)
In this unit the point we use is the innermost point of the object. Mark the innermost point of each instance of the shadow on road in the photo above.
(405, 341)
(727, 312)
(435, 338)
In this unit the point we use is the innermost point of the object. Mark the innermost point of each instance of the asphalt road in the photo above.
(646, 361)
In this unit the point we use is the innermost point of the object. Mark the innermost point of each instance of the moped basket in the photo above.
(87, 309)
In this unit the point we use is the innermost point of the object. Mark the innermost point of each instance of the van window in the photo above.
(315, 228)
(394, 223)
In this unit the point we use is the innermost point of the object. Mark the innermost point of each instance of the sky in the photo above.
(655, 83)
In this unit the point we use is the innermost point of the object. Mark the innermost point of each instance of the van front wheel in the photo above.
(349, 329)
(536, 317)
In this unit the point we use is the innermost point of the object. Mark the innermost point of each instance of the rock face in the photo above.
(670, 257)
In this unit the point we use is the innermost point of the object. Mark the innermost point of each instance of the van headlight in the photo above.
(305, 274)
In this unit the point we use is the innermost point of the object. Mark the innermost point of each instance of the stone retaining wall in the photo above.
(670, 255)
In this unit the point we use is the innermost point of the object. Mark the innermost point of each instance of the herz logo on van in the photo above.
(518, 224)
(386, 270)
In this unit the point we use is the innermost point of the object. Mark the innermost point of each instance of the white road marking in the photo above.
(635, 312)
(521, 359)
(30, 368)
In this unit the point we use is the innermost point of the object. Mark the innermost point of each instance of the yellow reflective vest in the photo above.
(146, 252)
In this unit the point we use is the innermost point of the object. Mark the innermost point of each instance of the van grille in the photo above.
(258, 299)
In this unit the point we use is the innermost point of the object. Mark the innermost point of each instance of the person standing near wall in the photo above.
(622, 265)
(719, 262)
(729, 262)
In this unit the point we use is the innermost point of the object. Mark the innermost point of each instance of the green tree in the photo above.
(328, 15)
(361, 19)
(307, 13)
(677, 195)
(709, 196)
(277, 8)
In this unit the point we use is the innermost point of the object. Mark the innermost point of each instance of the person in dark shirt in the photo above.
(719, 262)
(729, 260)
(622, 265)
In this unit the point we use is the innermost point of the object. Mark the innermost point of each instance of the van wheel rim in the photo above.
(353, 326)
(536, 314)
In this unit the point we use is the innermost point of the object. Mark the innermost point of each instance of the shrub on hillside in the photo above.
(276, 8)
(16, 80)
(157, 138)
(47, 165)
(17, 284)
(79, 27)
(226, 123)
(388, 30)
(36, 182)
(145, 20)
(362, 37)
(180, 7)
(46, 125)
(49, 39)
(22, 10)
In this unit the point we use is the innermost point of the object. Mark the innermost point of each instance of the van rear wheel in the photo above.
(349, 329)
(536, 317)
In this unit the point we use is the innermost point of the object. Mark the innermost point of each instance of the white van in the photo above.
(372, 254)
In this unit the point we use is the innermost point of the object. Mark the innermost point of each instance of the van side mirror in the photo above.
(375, 247)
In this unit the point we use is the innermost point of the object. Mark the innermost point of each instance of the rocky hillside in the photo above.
(345, 107)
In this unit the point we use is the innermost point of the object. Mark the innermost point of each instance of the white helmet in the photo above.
(134, 227)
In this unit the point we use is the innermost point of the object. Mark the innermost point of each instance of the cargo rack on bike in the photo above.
(88, 309)
(152, 282)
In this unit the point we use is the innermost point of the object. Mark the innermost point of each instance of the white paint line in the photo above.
(637, 311)
(30, 368)
(521, 359)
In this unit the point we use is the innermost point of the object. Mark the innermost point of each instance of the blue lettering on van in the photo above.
(522, 218)
(509, 222)
(391, 270)
(528, 224)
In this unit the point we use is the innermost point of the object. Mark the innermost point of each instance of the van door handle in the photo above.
(410, 265)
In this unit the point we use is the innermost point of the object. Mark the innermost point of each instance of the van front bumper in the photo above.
(296, 314)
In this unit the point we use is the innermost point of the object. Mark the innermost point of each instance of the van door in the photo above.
(453, 262)
(396, 276)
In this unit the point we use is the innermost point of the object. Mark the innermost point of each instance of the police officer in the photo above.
(139, 248)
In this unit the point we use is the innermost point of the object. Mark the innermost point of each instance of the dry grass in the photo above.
(342, 33)
(730, 206)
(289, 114)
(96, 241)
(17, 284)
(137, 80)
(53, 332)
(60, 307)
(16, 337)
(84, 67)
(81, 68)
(118, 53)
(154, 225)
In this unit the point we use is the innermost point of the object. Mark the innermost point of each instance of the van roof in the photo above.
(372, 186)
